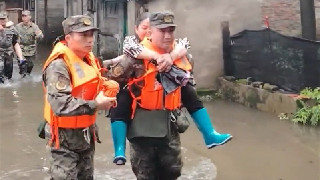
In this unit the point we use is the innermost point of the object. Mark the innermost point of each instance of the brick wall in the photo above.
(317, 9)
(284, 16)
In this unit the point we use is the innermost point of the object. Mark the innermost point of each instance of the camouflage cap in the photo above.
(3, 15)
(26, 13)
(78, 23)
(162, 19)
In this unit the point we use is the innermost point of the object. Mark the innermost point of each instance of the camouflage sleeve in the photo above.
(14, 29)
(58, 85)
(38, 32)
(132, 47)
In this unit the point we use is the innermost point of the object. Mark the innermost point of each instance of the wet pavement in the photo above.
(263, 147)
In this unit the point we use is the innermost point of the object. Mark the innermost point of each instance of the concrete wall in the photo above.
(200, 22)
(264, 100)
(50, 22)
(111, 24)
(6, 4)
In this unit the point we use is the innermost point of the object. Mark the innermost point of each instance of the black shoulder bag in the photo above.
(150, 127)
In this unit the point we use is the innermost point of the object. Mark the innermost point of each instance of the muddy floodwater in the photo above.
(263, 147)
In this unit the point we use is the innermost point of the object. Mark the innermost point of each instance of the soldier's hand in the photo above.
(103, 102)
(114, 61)
(38, 32)
(39, 35)
(107, 63)
(1, 27)
(23, 67)
(164, 62)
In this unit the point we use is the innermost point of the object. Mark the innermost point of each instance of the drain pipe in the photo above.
(308, 19)
(36, 12)
(96, 22)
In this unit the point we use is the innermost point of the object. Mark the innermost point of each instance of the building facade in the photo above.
(198, 20)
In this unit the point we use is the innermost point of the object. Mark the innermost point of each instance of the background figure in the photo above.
(9, 42)
(29, 34)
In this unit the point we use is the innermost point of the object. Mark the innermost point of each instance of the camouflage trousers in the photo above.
(6, 66)
(151, 162)
(74, 159)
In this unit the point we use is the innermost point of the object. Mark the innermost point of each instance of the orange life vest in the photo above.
(86, 82)
(152, 94)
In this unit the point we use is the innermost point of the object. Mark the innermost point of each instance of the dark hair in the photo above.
(58, 39)
(142, 17)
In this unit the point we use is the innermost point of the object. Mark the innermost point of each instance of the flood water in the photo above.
(263, 147)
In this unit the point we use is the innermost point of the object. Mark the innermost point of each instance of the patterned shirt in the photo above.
(132, 46)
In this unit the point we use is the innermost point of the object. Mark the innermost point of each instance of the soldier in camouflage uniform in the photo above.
(73, 159)
(29, 34)
(149, 160)
(9, 42)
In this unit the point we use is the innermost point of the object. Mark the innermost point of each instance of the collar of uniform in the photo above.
(85, 59)
(27, 25)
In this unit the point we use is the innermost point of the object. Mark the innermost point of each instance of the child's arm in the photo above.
(113, 61)
(132, 48)
(180, 49)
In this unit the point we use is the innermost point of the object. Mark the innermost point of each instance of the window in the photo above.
(91, 5)
(2, 6)
(111, 9)
(29, 5)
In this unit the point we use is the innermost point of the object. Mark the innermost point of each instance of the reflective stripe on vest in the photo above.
(152, 94)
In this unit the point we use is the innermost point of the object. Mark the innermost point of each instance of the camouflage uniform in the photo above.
(8, 38)
(28, 35)
(74, 158)
(153, 161)
(150, 162)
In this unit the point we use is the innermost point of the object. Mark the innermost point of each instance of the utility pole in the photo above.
(308, 24)
(36, 12)
(308, 19)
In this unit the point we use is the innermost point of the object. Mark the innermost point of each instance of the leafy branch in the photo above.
(308, 114)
